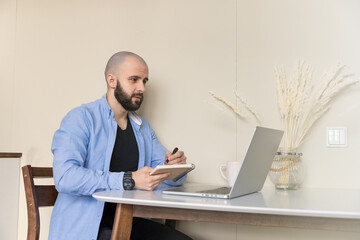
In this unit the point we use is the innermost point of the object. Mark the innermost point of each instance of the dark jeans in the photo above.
(144, 229)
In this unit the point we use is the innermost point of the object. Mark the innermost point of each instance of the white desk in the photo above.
(327, 209)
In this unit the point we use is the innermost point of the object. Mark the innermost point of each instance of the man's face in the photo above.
(129, 102)
(130, 86)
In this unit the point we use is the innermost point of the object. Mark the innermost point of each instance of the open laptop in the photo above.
(252, 175)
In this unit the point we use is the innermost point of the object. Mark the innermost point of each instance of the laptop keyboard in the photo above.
(220, 190)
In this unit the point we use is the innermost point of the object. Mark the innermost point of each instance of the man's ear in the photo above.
(111, 81)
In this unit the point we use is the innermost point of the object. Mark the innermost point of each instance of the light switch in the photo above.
(336, 136)
(343, 137)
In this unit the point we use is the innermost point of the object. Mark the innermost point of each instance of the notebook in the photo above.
(252, 175)
(176, 171)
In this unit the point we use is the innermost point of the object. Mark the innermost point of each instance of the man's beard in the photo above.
(125, 100)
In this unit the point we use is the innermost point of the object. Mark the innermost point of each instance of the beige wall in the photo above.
(7, 56)
(53, 55)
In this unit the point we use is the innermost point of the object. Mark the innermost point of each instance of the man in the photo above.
(105, 145)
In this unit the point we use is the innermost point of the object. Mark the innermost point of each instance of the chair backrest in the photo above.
(37, 196)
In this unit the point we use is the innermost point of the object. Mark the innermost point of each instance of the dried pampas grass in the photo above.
(235, 109)
(249, 107)
(301, 103)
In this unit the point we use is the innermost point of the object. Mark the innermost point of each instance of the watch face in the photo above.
(128, 184)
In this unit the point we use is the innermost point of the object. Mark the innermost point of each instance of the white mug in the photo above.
(232, 170)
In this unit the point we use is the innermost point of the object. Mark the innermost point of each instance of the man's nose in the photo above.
(140, 87)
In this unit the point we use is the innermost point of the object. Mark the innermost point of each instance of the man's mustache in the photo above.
(138, 95)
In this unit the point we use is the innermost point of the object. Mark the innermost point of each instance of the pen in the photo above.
(173, 152)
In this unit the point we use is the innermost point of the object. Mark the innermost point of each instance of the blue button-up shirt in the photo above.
(82, 149)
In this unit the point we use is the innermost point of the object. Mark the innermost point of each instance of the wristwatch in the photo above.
(128, 182)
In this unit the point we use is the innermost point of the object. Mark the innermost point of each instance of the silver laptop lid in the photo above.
(257, 161)
(252, 175)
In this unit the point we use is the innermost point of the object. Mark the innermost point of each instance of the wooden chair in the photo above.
(37, 196)
(43, 196)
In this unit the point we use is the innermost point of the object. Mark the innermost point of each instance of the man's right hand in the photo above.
(144, 181)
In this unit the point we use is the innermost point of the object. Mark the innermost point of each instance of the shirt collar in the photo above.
(106, 106)
(135, 117)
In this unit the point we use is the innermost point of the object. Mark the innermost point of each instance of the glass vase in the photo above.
(287, 171)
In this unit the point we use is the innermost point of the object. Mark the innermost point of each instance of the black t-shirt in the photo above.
(125, 157)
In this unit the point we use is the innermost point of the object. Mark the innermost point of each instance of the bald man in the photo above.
(106, 145)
